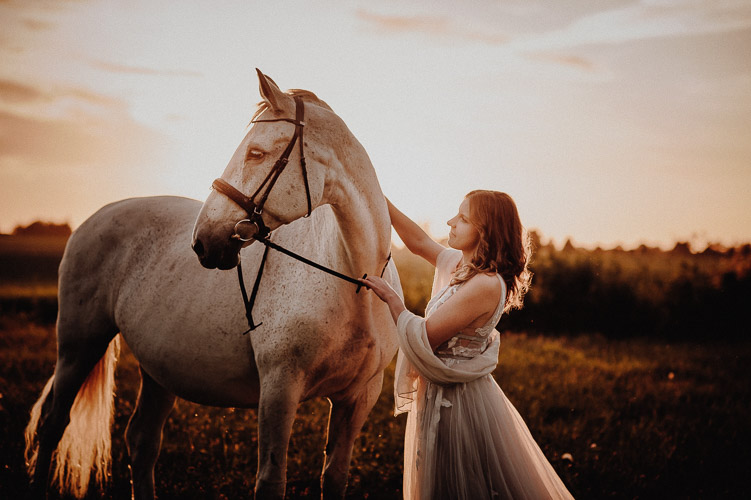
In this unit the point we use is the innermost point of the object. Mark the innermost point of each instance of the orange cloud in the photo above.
(405, 23)
(565, 60)
(13, 92)
(90, 129)
(140, 70)
(429, 25)
(71, 149)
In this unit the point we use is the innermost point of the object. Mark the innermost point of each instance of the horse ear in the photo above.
(271, 92)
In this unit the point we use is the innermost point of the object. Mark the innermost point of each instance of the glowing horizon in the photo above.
(618, 124)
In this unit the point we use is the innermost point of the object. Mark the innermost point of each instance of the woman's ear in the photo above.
(277, 100)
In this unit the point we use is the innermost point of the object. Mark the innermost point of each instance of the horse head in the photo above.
(274, 177)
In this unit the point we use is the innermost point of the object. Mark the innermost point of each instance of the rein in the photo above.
(255, 211)
(249, 302)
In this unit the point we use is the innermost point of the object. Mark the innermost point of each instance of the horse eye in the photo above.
(254, 154)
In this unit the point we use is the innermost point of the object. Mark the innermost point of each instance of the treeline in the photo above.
(645, 292)
(40, 228)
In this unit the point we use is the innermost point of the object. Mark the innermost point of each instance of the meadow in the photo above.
(619, 415)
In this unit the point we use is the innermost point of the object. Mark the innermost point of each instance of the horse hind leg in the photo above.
(73, 416)
(144, 434)
(345, 422)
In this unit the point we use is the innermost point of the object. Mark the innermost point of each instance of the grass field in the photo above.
(633, 418)
(639, 418)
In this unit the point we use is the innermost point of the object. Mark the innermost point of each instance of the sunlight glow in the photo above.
(616, 124)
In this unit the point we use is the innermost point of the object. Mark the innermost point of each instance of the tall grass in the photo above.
(616, 418)
(648, 404)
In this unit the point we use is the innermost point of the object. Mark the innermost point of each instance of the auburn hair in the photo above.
(504, 245)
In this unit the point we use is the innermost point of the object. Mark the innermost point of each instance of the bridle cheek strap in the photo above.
(268, 183)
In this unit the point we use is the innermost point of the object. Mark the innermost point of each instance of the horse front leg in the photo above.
(345, 422)
(144, 434)
(280, 396)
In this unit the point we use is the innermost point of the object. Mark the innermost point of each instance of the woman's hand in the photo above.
(387, 294)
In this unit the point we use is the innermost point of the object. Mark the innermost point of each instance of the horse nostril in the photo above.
(198, 248)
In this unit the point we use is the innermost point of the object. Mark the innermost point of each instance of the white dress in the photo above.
(464, 439)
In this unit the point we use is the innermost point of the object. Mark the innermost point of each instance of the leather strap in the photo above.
(271, 178)
(233, 194)
(249, 303)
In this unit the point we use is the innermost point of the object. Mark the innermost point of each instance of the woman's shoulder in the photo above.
(485, 286)
(485, 281)
(448, 257)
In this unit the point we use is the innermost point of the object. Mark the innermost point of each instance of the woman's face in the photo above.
(463, 235)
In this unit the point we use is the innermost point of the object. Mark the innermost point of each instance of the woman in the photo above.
(464, 439)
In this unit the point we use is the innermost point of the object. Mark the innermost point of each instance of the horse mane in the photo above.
(306, 96)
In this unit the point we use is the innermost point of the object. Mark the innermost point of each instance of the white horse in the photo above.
(129, 269)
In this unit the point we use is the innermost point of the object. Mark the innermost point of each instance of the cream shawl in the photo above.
(416, 358)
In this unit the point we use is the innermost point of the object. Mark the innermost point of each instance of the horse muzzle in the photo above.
(214, 251)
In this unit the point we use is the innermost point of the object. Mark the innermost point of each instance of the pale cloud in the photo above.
(572, 61)
(37, 25)
(142, 70)
(69, 128)
(49, 104)
(648, 19)
(433, 25)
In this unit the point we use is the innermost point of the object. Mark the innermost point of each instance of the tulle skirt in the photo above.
(479, 447)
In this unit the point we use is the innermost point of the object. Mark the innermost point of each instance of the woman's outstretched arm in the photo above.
(417, 241)
(474, 302)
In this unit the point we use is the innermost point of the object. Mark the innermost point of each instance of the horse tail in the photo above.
(86, 444)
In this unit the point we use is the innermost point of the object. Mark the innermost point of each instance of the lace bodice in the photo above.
(464, 346)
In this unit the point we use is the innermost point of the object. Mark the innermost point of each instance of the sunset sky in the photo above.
(609, 121)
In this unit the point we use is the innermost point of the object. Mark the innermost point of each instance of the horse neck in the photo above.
(361, 214)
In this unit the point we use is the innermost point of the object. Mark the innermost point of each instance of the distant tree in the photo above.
(646, 250)
(40, 228)
(681, 248)
(713, 250)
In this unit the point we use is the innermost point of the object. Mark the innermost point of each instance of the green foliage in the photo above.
(644, 292)
(638, 418)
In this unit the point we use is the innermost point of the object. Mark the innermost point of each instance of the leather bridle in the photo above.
(254, 210)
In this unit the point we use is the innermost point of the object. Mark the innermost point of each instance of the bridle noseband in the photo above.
(255, 209)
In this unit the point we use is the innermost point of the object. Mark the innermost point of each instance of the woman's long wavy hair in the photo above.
(504, 245)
